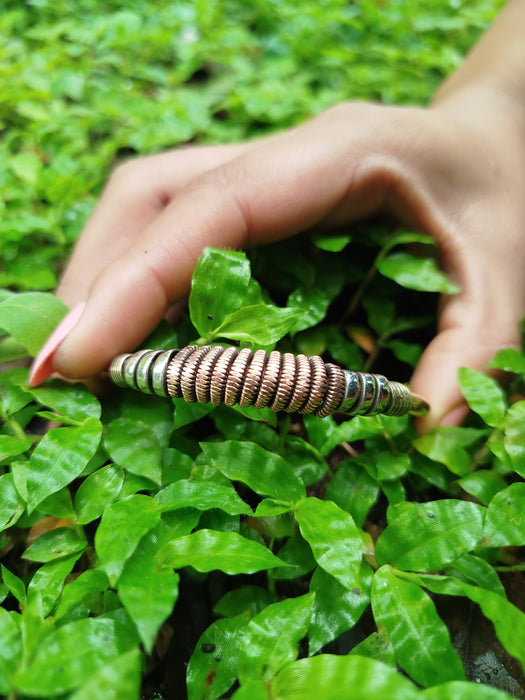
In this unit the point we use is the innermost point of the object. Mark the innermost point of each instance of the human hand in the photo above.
(446, 171)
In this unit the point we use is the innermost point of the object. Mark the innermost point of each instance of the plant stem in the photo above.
(369, 276)
(13, 425)
(354, 301)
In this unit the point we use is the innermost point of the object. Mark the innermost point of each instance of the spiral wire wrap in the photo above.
(280, 382)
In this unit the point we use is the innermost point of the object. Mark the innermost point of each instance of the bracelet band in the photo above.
(281, 382)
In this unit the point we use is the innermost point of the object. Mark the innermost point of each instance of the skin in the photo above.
(455, 170)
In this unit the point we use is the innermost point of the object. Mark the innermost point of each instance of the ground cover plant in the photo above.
(153, 548)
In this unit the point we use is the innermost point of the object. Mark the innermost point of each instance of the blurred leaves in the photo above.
(30, 318)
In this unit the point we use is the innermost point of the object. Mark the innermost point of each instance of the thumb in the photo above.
(435, 378)
(484, 317)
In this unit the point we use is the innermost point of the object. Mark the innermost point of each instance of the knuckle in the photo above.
(350, 111)
(126, 177)
(135, 183)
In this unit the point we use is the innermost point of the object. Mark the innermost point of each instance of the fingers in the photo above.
(436, 375)
(135, 195)
(477, 323)
(276, 189)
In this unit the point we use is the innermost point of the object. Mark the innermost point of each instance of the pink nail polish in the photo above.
(42, 367)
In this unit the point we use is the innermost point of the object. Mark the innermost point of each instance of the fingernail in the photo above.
(42, 367)
(456, 416)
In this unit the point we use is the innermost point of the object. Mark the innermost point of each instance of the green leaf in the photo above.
(427, 536)
(54, 544)
(353, 490)
(262, 324)
(475, 570)
(377, 646)
(148, 594)
(508, 620)
(336, 609)
(12, 446)
(175, 465)
(207, 550)
(11, 504)
(394, 492)
(462, 690)
(122, 526)
(297, 552)
(12, 395)
(118, 678)
(58, 504)
(446, 444)
(406, 352)
(270, 508)
(420, 638)
(71, 655)
(212, 668)
(201, 495)
(48, 581)
(61, 455)
(154, 411)
(253, 690)
(304, 459)
(264, 472)
(508, 360)
(86, 586)
(335, 540)
(97, 492)
(421, 274)
(357, 428)
(483, 485)
(70, 400)
(341, 678)
(333, 243)
(483, 394)
(496, 445)
(27, 166)
(186, 413)
(134, 446)
(391, 466)
(52, 416)
(514, 436)
(388, 239)
(270, 640)
(436, 583)
(10, 650)
(219, 285)
(31, 318)
(505, 520)
(15, 585)
(312, 303)
(248, 600)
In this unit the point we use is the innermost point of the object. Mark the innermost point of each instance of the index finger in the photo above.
(281, 187)
(135, 195)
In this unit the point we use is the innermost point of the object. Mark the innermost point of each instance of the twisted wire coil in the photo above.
(281, 382)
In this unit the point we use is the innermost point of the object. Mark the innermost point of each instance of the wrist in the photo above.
(496, 114)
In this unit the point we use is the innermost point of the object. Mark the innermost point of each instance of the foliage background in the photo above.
(131, 507)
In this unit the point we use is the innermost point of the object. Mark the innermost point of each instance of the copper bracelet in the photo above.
(281, 382)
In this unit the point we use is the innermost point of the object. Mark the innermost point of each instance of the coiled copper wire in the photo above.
(283, 382)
